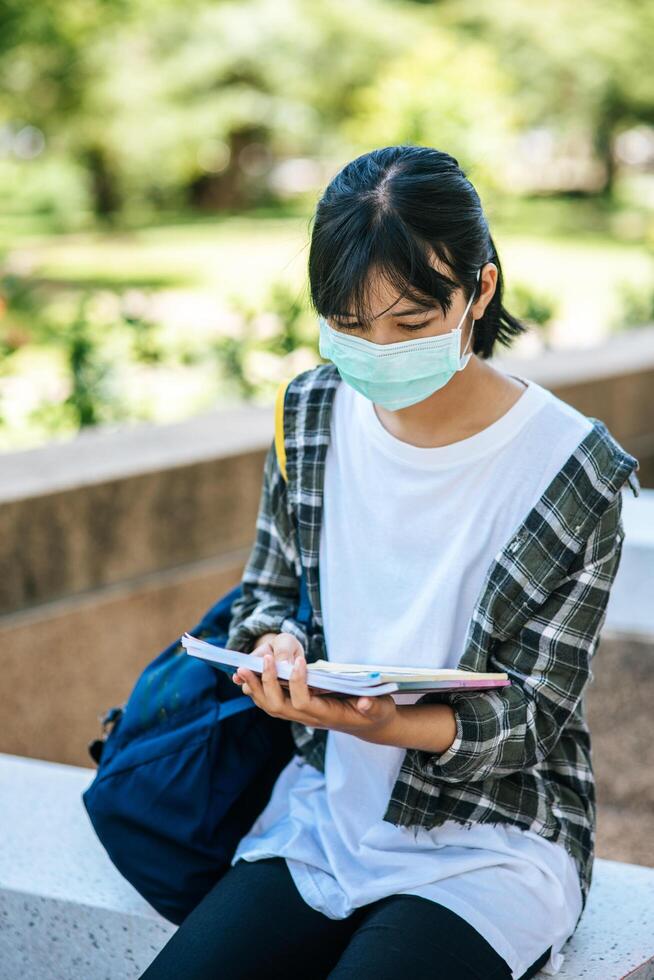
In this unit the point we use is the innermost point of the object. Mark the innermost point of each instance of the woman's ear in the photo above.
(487, 286)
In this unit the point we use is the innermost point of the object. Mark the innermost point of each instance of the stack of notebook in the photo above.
(351, 679)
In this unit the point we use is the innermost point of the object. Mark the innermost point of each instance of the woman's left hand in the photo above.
(370, 718)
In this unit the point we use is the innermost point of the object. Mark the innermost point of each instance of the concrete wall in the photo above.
(110, 547)
(613, 382)
(114, 543)
(117, 506)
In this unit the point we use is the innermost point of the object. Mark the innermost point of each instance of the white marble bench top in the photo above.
(66, 913)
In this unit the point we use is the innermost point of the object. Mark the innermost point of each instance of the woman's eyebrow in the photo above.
(409, 312)
(415, 309)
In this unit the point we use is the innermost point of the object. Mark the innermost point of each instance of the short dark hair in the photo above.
(386, 210)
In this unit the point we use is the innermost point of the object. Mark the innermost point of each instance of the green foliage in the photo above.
(19, 305)
(161, 104)
(415, 100)
(231, 354)
(528, 304)
(581, 69)
(90, 373)
(145, 346)
(85, 346)
(531, 306)
(291, 311)
(154, 108)
(161, 110)
(251, 364)
(635, 306)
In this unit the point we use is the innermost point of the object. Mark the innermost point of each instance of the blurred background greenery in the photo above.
(160, 162)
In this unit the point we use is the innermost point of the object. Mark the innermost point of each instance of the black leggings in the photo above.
(255, 925)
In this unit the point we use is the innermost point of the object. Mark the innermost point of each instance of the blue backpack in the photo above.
(186, 764)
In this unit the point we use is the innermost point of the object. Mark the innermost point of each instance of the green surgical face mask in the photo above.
(396, 375)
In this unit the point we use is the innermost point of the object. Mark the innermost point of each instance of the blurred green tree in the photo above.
(47, 72)
(165, 103)
(582, 66)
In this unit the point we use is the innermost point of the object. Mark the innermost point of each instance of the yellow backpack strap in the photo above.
(279, 427)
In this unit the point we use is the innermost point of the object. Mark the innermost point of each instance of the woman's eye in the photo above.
(405, 326)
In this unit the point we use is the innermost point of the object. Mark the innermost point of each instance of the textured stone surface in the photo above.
(615, 937)
(67, 914)
(43, 938)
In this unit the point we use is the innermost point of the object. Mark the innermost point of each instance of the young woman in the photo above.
(447, 514)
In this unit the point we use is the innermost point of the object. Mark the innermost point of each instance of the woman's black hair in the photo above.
(386, 211)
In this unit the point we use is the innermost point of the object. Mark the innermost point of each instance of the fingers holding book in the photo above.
(371, 718)
(278, 692)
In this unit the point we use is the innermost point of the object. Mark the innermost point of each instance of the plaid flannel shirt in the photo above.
(521, 754)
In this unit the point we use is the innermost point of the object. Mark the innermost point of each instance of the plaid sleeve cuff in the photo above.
(429, 763)
(476, 726)
(453, 750)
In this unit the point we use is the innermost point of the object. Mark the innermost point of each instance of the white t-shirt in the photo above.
(408, 534)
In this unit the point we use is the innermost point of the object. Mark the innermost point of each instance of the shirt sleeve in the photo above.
(271, 578)
(548, 661)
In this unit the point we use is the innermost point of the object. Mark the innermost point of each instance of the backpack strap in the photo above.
(279, 427)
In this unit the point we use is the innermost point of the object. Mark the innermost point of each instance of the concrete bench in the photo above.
(67, 914)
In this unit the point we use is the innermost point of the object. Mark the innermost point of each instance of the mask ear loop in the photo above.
(464, 356)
